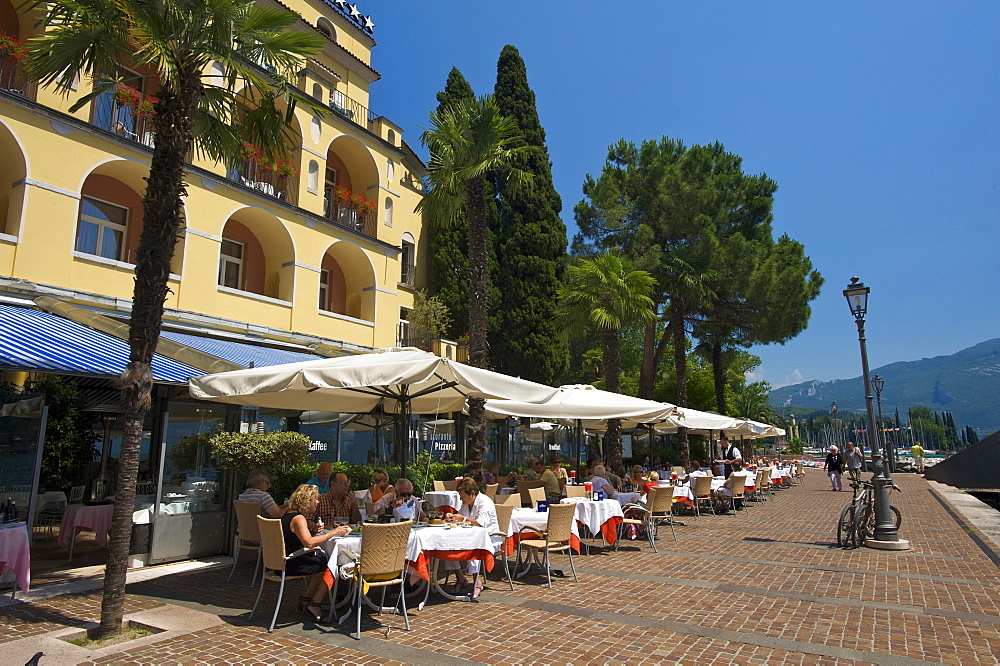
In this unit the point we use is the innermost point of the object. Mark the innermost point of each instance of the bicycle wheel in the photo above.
(845, 526)
(897, 518)
(864, 525)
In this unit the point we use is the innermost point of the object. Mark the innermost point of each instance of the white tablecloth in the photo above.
(627, 498)
(432, 537)
(522, 519)
(438, 498)
(594, 514)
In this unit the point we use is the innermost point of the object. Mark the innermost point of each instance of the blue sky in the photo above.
(877, 120)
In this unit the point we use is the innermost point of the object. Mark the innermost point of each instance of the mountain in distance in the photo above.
(966, 383)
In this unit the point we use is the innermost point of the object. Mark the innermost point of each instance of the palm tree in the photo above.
(178, 40)
(467, 142)
(608, 293)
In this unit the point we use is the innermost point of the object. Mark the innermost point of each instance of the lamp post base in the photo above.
(901, 544)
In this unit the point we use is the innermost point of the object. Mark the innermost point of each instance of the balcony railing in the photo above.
(408, 275)
(354, 111)
(12, 78)
(121, 120)
(281, 186)
(346, 217)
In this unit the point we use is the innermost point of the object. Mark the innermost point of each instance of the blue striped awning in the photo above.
(240, 353)
(34, 340)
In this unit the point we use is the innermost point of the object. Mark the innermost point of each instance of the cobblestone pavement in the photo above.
(764, 586)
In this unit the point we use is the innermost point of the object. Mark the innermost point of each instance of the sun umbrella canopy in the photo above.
(425, 382)
(582, 401)
(694, 419)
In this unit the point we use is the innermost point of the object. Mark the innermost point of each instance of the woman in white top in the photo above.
(480, 510)
(601, 483)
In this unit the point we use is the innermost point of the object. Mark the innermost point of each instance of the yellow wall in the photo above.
(49, 161)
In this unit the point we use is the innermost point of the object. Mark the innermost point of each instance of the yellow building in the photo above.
(275, 256)
(273, 264)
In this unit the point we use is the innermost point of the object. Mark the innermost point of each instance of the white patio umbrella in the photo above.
(403, 380)
(583, 403)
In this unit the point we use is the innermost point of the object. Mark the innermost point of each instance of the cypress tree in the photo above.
(530, 244)
(449, 244)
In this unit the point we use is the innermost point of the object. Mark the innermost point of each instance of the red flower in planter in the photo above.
(10, 47)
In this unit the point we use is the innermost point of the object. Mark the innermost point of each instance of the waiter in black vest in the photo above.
(730, 454)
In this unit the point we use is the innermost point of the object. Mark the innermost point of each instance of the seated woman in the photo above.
(638, 478)
(381, 487)
(491, 474)
(480, 510)
(601, 482)
(559, 470)
(303, 502)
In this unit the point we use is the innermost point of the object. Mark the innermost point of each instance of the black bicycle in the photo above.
(861, 513)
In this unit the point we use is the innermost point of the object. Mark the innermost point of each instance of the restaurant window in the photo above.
(324, 290)
(231, 264)
(101, 230)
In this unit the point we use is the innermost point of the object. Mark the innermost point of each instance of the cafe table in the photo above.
(15, 554)
(438, 498)
(427, 545)
(81, 516)
(602, 517)
(533, 522)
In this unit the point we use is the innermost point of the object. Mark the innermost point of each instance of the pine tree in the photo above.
(530, 242)
(449, 243)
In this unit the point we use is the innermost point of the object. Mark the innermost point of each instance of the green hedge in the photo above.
(283, 483)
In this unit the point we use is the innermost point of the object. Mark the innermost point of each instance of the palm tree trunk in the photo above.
(719, 375)
(162, 218)
(680, 369)
(647, 372)
(479, 348)
(612, 382)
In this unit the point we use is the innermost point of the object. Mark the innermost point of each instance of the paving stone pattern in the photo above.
(764, 586)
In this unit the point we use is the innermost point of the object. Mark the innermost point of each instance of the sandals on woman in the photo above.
(317, 616)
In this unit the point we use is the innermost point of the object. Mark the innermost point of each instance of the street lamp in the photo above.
(890, 456)
(886, 534)
(836, 430)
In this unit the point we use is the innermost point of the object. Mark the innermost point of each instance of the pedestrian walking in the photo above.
(917, 452)
(854, 458)
(834, 465)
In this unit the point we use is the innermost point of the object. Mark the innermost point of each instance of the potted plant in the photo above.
(11, 48)
(142, 106)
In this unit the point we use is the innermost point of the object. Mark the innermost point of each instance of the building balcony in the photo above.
(262, 178)
(12, 77)
(348, 217)
(121, 120)
(354, 111)
(408, 275)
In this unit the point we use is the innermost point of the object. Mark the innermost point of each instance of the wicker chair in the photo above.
(645, 521)
(739, 492)
(524, 486)
(703, 493)
(576, 491)
(536, 495)
(513, 499)
(555, 538)
(382, 563)
(272, 543)
(491, 491)
(247, 535)
(504, 512)
(762, 482)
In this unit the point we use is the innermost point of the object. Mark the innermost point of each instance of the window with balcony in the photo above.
(404, 328)
(101, 229)
(231, 264)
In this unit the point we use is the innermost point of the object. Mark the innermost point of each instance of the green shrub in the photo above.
(247, 451)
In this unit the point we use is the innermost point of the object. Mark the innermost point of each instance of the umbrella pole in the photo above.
(403, 430)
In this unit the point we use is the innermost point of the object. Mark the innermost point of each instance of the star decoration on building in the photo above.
(355, 14)
(341, 4)
(369, 24)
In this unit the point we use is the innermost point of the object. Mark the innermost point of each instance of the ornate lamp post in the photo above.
(890, 456)
(886, 534)
(835, 431)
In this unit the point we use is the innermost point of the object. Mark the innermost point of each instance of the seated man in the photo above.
(543, 473)
(322, 478)
(257, 485)
(403, 495)
(338, 505)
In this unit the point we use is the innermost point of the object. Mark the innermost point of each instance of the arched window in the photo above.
(388, 212)
(391, 136)
(318, 91)
(324, 26)
(390, 172)
(407, 259)
(218, 74)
